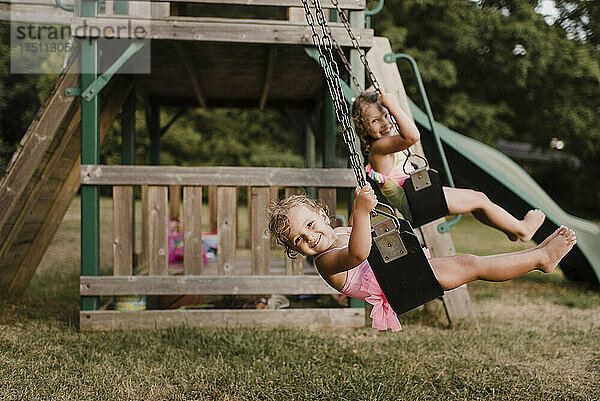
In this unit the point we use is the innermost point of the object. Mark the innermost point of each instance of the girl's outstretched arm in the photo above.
(359, 244)
(408, 135)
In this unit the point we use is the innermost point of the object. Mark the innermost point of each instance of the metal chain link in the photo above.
(324, 46)
(364, 61)
(345, 61)
(356, 45)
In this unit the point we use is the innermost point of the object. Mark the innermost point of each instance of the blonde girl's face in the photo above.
(310, 232)
(378, 120)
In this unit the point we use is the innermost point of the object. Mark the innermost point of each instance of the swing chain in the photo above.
(330, 68)
(364, 61)
(342, 56)
(356, 45)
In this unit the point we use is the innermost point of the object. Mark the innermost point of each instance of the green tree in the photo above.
(495, 69)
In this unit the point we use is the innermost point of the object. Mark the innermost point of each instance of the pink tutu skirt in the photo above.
(362, 284)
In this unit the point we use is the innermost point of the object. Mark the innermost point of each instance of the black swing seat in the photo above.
(401, 267)
(425, 196)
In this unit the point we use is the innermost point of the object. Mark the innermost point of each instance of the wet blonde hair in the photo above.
(279, 222)
(366, 98)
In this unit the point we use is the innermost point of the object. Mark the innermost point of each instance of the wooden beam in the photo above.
(158, 245)
(268, 76)
(174, 202)
(192, 228)
(117, 94)
(36, 142)
(218, 30)
(226, 229)
(122, 230)
(221, 176)
(204, 284)
(184, 56)
(304, 318)
(261, 245)
(34, 13)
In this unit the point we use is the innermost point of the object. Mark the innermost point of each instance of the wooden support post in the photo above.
(293, 266)
(122, 230)
(260, 242)
(227, 229)
(158, 241)
(357, 21)
(192, 227)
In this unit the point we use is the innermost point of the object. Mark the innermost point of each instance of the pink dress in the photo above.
(362, 284)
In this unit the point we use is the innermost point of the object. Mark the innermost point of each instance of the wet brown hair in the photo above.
(279, 222)
(362, 128)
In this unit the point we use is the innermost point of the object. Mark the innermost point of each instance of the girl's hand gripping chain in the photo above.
(359, 245)
(388, 101)
(364, 199)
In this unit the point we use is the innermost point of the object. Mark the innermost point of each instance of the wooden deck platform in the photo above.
(231, 74)
(209, 61)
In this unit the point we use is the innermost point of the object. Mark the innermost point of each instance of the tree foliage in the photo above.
(216, 137)
(495, 69)
(20, 98)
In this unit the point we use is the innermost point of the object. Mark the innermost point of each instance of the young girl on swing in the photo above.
(301, 225)
(382, 148)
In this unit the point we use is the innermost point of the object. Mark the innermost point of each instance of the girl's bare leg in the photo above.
(453, 271)
(461, 200)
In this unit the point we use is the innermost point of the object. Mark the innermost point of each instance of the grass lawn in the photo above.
(535, 338)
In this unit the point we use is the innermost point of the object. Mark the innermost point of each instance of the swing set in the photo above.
(397, 258)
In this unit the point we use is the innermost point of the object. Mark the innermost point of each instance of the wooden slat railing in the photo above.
(232, 278)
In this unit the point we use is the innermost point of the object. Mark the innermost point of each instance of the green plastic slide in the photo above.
(482, 167)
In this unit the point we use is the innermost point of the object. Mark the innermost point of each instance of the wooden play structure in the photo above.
(196, 61)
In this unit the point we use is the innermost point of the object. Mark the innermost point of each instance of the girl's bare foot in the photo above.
(548, 238)
(555, 247)
(530, 224)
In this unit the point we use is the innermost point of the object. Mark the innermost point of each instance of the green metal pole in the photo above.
(128, 151)
(90, 154)
(154, 134)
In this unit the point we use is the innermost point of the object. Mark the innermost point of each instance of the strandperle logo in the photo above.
(43, 48)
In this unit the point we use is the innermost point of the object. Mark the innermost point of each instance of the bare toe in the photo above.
(531, 222)
(548, 238)
(555, 247)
